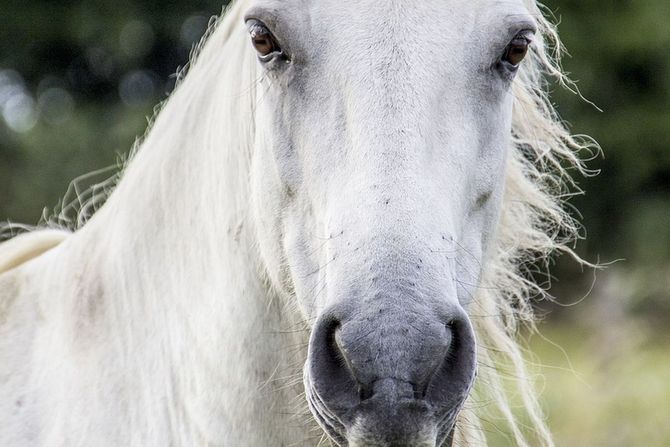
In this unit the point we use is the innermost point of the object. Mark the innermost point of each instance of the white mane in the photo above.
(533, 225)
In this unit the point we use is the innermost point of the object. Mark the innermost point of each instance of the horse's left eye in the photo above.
(262, 39)
(517, 49)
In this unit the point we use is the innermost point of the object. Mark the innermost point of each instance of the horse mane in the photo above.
(534, 225)
(534, 222)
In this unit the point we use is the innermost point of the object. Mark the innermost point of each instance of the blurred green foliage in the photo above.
(622, 64)
(605, 391)
(78, 80)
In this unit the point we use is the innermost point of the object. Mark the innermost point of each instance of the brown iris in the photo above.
(516, 51)
(262, 39)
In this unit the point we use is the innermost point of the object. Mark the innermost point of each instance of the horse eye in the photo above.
(516, 50)
(262, 39)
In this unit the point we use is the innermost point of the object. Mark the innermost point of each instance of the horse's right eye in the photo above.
(262, 39)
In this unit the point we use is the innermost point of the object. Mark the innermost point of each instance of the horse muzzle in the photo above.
(390, 376)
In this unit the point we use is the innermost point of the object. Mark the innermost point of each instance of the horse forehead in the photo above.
(404, 13)
(379, 17)
(418, 32)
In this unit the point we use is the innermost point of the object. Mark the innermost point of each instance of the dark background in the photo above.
(78, 80)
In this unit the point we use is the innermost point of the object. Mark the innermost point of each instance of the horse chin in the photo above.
(383, 422)
(408, 424)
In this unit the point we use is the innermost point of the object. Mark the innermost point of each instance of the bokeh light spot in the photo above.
(193, 29)
(16, 103)
(19, 112)
(136, 38)
(137, 87)
(55, 105)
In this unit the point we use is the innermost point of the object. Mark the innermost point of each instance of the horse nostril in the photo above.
(452, 380)
(332, 354)
(438, 352)
(329, 367)
(336, 350)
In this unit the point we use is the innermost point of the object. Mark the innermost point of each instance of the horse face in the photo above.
(377, 179)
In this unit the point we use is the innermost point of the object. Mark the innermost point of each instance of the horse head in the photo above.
(382, 132)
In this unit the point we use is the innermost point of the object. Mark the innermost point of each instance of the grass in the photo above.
(604, 387)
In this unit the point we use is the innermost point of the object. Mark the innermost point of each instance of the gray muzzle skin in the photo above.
(390, 376)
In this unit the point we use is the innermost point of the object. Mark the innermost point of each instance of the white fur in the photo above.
(176, 315)
(28, 246)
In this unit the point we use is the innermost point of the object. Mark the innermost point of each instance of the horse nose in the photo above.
(377, 362)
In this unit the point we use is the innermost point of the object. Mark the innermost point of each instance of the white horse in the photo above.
(350, 186)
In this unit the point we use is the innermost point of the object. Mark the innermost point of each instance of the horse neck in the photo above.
(181, 276)
(180, 212)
